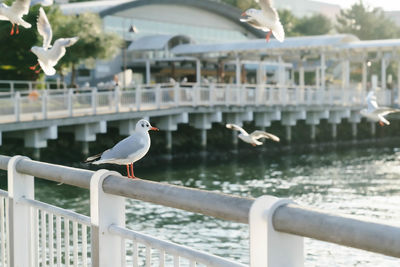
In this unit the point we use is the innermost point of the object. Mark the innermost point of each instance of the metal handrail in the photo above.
(293, 219)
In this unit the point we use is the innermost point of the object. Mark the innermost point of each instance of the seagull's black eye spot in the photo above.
(147, 125)
(142, 125)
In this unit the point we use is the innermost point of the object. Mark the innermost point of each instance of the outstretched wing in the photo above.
(383, 111)
(20, 7)
(58, 49)
(44, 28)
(268, 9)
(262, 134)
(371, 102)
(236, 128)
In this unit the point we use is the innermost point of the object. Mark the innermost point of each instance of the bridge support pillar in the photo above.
(313, 119)
(269, 247)
(334, 131)
(168, 141)
(87, 132)
(169, 124)
(289, 119)
(355, 118)
(264, 119)
(105, 210)
(313, 132)
(20, 219)
(335, 117)
(203, 121)
(37, 138)
(373, 128)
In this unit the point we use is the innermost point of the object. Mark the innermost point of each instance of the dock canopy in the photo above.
(158, 42)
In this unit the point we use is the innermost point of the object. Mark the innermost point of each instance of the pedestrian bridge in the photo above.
(34, 233)
(38, 115)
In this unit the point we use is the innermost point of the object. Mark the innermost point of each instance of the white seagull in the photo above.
(376, 113)
(129, 150)
(49, 56)
(14, 14)
(266, 19)
(253, 137)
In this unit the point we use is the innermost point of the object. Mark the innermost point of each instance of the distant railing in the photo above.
(277, 226)
(10, 86)
(61, 103)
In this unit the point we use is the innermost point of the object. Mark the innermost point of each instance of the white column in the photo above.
(203, 138)
(94, 101)
(323, 69)
(238, 71)
(317, 78)
(270, 248)
(168, 140)
(70, 102)
(17, 109)
(44, 104)
(354, 130)
(364, 76)
(383, 73)
(260, 73)
(198, 71)
(345, 74)
(20, 221)
(313, 132)
(301, 75)
(288, 133)
(281, 72)
(148, 74)
(105, 210)
(398, 83)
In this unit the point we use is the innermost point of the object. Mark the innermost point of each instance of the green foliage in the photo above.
(289, 22)
(316, 24)
(366, 23)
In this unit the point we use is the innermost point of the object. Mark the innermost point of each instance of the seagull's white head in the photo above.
(250, 12)
(144, 126)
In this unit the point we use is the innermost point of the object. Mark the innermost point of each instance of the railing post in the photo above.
(158, 96)
(17, 101)
(20, 221)
(270, 248)
(44, 104)
(12, 87)
(94, 100)
(70, 104)
(176, 94)
(105, 210)
(117, 93)
(138, 96)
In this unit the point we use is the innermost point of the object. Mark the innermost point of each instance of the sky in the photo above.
(387, 5)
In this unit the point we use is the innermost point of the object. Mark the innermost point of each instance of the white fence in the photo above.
(34, 233)
(50, 104)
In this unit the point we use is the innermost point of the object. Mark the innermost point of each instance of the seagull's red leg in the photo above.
(12, 30)
(381, 123)
(34, 67)
(133, 175)
(268, 36)
(37, 71)
(17, 31)
(127, 170)
(253, 144)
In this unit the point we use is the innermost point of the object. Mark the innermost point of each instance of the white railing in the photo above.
(10, 86)
(48, 104)
(276, 226)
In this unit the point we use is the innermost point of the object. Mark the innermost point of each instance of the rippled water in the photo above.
(362, 182)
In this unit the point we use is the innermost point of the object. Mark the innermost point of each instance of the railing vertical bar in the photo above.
(148, 256)
(135, 254)
(36, 236)
(176, 261)
(7, 231)
(84, 245)
(3, 236)
(66, 239)
(75, 241)
(162, 258)
(51, 239)
(123, 253)
(43, 236)
(192, 263)
(58, 240)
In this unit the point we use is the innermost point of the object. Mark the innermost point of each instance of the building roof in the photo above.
(320, 42)
(374, 45)
(90, 6)
(157, 42)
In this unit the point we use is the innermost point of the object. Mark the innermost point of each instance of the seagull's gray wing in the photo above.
(42, 2)
(124, 148)
(236, 128)
(20, 7)
(385, 110)
(44, 28)
(58, 49)
(371, 102)
(262, 134)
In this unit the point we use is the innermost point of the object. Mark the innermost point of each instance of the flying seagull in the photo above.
(49, 56)
(14, 14)
(376, 113)
(266, 19)
(129, 150)
(253, 137)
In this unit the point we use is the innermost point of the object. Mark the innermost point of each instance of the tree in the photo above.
(289, 22)
(316, 24)
(366, 23)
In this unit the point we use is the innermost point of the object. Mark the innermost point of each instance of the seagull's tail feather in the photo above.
(278, 31)
(93, 158)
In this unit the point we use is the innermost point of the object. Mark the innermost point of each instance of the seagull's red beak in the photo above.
(243, 14)
(154, 129)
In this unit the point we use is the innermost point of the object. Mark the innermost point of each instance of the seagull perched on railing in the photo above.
(376, 113)
(253, 137)
(129, 150)
(47, 55)
(14, 14)
(266, 19)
